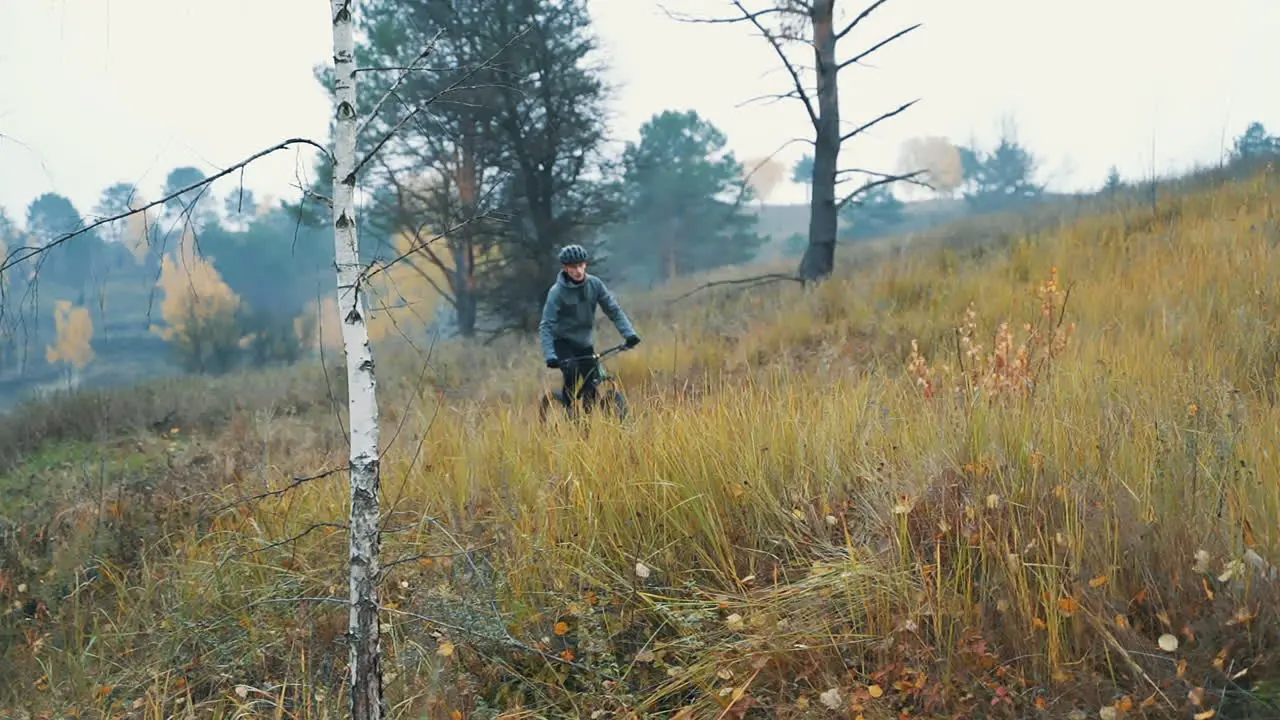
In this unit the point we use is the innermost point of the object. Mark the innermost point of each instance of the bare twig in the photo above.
(872, 123)
(373, 112)
(754, 281)
(431, 556)
(297, 482)
(27, 252)
(861, 16)
(886, 180)
(775, 41)
(280, 543)
(867, 53)
(456, 84)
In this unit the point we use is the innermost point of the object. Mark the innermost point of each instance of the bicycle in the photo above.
(611, 400)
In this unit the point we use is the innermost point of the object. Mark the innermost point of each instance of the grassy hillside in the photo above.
(993, 476)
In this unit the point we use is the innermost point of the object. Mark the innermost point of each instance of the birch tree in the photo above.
(352, 280)
(821, 26)
(364, 535)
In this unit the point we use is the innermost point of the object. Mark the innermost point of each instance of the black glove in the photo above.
(633, 340)
(553, 363)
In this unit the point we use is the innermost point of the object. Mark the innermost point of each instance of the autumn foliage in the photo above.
(73, 329)
(199, 310)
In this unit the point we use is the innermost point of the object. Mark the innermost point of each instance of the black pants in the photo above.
(577, 365)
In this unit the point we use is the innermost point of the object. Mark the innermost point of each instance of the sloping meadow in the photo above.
(936, 485)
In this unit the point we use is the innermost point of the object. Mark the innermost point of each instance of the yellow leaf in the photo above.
(1098, 581)
(1205, 715)
(875, 690)
(1068, 606)
(561, 628)
(445, 649)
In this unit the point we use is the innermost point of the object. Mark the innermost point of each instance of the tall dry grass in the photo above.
(1042, 480)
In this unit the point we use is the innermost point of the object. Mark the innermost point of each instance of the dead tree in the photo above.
(785, 25)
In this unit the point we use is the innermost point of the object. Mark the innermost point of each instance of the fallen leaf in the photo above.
(642, 570)
(445, 649)
(1205, 715)
(1098, 581)
(830, 699)
(875, 690)
(1168, 643)
(1196, 696)
(561, 628)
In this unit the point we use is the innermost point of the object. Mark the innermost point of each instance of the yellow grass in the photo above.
(800, 517)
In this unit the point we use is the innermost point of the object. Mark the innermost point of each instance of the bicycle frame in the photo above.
(598, 378)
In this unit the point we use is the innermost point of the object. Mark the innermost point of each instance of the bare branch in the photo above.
(747, 176)
(416, 246)
(861, 16)
(885, 180)
(876, 173)
(297, 482)
(27, 252)
(746, 16)
(865, 53)
(750, 282)
(373, 112)
(455, 85)
(286, 541)
(872, 123)
(431, 556)
(774, 41)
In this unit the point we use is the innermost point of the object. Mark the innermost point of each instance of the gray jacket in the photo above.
(570, 312)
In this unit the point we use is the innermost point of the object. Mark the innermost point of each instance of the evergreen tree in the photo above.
(685, 201)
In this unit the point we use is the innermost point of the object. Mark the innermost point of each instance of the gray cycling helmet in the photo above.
(572, 254)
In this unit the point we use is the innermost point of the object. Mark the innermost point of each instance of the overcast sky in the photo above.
(98, 91)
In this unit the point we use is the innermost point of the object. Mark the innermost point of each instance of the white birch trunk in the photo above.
(365, 656)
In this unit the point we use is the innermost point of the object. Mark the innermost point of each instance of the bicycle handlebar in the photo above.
(615, 349)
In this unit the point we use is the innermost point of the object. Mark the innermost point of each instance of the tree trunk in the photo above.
(820, 256)
(364, 538)
(468, 181)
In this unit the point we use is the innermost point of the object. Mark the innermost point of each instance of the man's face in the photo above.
(576, 271)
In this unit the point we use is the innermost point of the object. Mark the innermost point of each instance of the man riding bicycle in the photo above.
(567, 329)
